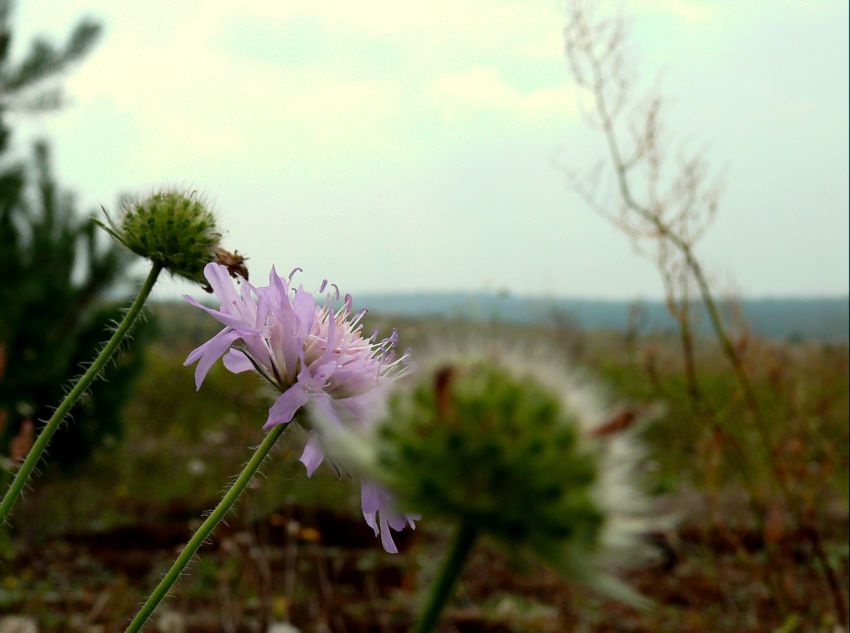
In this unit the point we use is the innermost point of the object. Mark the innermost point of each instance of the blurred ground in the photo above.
(87, 545)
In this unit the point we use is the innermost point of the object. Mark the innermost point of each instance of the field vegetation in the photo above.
(88, 543)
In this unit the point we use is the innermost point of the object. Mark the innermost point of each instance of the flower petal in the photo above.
(236, 322)
(236, 361)
(387, 537)
(377, 506)
(370, 504)
(219, 279)
(324, 406)
(313, 454)
(304, 308)
(284, 408)
(209, 352)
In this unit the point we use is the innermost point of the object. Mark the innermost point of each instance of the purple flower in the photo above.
(309, 352)
(377, 506)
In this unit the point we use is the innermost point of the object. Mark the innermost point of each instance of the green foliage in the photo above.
(181, 446)
(20, 81)
(56, 273)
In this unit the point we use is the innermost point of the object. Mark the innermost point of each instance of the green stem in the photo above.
(449, 573)
(206, 529)
(78, 390)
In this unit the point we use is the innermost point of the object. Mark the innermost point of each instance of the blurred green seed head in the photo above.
(474, 443)
(171, 228)
(521, 450)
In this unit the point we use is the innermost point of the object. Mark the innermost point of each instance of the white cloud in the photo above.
(188, 91)
(484, 25)
(396, 142)
(485, 90)
(688, 10)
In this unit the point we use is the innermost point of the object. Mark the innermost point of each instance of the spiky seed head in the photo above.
(174, 229)
(474, 443)
(519, 449)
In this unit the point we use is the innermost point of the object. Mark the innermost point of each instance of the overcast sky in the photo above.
(407, 146)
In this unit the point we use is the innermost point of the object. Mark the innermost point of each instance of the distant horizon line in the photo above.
(587, 298)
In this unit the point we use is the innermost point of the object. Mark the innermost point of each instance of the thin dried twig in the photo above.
(677, 205)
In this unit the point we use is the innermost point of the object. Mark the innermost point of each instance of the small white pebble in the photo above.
(282, 627)
(18, 624)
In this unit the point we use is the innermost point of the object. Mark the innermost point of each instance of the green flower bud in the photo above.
(173, 229)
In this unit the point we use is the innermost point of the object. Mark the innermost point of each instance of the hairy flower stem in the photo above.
(76, 392)
(206, 528)
(449, 573)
